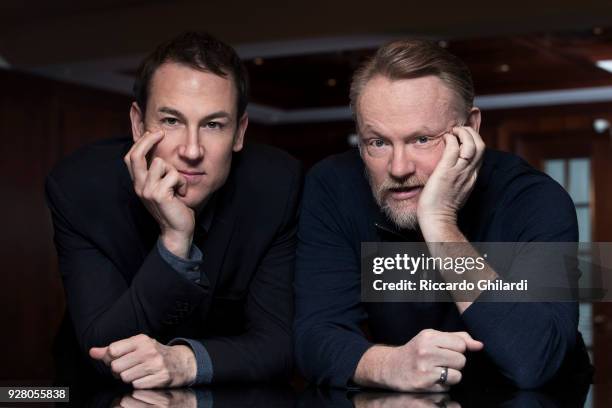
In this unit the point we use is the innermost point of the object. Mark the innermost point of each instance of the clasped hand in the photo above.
(146, 363)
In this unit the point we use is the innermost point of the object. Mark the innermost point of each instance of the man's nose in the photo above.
(401, 165)
(191, 149)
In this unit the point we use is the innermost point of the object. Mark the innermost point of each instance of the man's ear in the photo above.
(242, 127)
(137, 119)
(473, 119)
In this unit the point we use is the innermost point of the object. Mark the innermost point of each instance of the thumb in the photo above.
(98, 353)
(472, 345)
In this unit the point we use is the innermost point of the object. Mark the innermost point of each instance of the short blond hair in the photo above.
(405, 59)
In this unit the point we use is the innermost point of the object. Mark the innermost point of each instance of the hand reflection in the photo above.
(159, 398)
(397, 400)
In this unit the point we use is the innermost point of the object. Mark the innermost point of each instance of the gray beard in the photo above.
(402, 219)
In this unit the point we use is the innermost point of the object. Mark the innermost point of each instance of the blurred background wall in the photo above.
(541, 73)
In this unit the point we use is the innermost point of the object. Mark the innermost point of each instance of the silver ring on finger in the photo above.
(443, 376)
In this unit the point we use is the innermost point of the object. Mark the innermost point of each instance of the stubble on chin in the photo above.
(402, 213)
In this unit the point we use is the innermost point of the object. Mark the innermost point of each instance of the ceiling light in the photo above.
(258, 61)
(601, 125)
(605, 64)
(331, 82)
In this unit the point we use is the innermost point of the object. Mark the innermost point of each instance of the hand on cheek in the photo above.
(452, 180)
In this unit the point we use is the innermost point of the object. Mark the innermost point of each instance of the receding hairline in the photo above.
(458, 104)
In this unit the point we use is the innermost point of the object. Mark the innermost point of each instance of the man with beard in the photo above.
(429, 178)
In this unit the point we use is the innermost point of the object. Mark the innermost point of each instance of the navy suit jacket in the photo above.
(117, 284)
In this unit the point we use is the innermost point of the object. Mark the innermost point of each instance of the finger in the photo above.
(125, 362)
(467, 148)
(450, 341)
(149, 381)
(100, 353)
(453, 376)
(134, 150)
(173, 183)
(136, 372)
(138, 159)
(479, 143)
(448, 358)
(156, 171)
(153, 397)
(471, 344)
(121, 347)
(130, 402)
(451, 151)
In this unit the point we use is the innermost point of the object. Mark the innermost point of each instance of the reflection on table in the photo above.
(285, 396)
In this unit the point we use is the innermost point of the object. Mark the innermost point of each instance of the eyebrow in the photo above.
(425, 131)
(215, 115)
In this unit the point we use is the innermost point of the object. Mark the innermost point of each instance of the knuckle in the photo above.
(112, 351)
(124, 376)
(422, 351)
(158, 362)
(157, 162)
(422, 368)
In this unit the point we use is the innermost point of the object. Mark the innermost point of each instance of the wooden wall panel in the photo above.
(40, 122)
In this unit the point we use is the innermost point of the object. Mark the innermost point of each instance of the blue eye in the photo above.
(377, 143)
(422, 139)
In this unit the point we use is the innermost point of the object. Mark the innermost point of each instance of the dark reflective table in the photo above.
(286, 396)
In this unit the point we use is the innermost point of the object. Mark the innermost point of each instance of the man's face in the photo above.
(401, 123)
(197, 112)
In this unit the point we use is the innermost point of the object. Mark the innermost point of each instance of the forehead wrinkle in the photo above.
(409, 105)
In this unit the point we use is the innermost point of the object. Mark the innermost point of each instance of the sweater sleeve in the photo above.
(529, 341)
(328, 340)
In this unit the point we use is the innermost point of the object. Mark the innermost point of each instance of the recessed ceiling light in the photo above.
(258, 61)
(331, 82)
(605, 64)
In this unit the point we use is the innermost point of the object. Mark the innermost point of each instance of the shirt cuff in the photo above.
(189, 268)
(204, 372)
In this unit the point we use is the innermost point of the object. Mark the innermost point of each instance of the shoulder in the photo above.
(265, 177)
(346, 166)
(532, 204)
(511, 178)
(337, 188)
(91, 172)
(259, 160)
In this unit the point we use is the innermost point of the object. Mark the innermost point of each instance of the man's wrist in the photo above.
(371, 369)
(439, 229)
(187, 366)
(178, 244)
